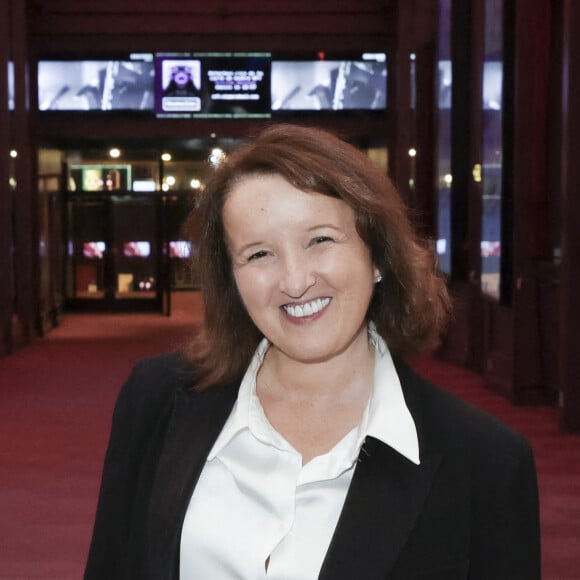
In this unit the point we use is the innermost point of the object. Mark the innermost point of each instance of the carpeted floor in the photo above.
(56, 398)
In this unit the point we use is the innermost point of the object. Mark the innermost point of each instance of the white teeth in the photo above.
(308, 309)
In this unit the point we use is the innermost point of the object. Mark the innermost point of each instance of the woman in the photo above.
(290, 440)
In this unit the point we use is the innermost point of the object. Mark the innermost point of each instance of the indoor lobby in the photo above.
(114, 117)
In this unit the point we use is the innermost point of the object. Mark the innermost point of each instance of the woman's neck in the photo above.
(314, 405)
(343, 375)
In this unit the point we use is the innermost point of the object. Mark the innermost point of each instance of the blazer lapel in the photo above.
(195, 423)
(383, 503)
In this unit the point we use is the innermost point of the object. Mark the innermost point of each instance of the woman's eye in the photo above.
(257, 255)
(321, 239)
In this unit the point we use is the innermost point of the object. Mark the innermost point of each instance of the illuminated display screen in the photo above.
(100, 177)
(97, 85)
(179, 249)
(216, 85)
(137, 249)
(330, 84)
(10, 85)
(94, 250)
(212, 85)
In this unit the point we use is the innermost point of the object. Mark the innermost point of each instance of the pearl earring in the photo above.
(378, 279)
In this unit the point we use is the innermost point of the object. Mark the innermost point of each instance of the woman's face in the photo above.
(302, 271)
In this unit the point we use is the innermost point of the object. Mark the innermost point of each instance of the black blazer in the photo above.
(469, 510)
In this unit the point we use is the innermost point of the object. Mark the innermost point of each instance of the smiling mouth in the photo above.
(307, 309)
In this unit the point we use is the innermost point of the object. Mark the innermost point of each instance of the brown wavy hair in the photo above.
(409, 307)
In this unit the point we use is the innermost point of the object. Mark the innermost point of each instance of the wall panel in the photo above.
(6, 281)
(25, 198)
(63, 17)
(570, 270)
(209, 6)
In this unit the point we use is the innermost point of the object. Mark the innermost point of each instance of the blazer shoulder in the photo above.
(167, 365)
(450, 423)
(171, 371)
(153, 382)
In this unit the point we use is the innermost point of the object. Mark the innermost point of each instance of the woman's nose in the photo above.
(297, 276)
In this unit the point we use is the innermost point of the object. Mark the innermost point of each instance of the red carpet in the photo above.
(56, 398)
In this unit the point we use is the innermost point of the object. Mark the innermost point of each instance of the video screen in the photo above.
(137, 249)
(144, 185)
(97, 177)
(97, 85)
(179, 249)
(330, 84)
(180, 86)
(216, 85)
(444, 84)
(11, 102)
(94, 250)
(492, 85)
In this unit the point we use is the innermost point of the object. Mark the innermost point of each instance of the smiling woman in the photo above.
(411, 307)
(289, 440)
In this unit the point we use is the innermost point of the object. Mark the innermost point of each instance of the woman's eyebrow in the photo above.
(324, 225)
(249, 245)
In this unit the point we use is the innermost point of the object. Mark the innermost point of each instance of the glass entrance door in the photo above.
(115, 259)
(136, 248)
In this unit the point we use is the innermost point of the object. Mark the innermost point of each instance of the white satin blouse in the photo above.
(255, 502)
